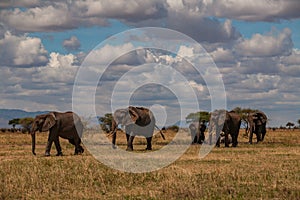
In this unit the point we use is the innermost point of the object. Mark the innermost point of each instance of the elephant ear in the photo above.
(262, 117)
(49, 122)
(222, 117)
(133, 114)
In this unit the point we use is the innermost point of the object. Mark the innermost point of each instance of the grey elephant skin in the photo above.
(228, 122)
(197, 132)
(66, 125)
(257, 124)
(137, 121)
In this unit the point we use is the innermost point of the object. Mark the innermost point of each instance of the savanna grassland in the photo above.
(270, 170)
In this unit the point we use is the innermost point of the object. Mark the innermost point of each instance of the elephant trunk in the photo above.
(114, 133)
(33, 142)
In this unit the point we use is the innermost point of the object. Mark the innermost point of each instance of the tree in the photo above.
(299, 122)
(198, 116)
(290, 124)
(14, 122)
(105, 122)
(26, 123)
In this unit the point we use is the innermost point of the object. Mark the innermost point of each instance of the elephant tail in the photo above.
(161, 133)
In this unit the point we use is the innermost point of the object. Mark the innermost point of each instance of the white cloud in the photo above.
(60, 69)
(22, 51)
(56, 17)
(270, 44)
(222, 55)
(261, 82)
(293, 59)
(264, 10)
(107, 53)
(131, 10)
(19, 3)
(72, 43)
(185, 51)
(260, 72)
(59, 16)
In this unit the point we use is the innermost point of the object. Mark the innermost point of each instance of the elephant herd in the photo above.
(141, 121)
(229, 123)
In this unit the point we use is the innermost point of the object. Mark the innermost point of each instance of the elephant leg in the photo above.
(210, 139)
(258, 134)
(218, 142)
(226, 140)
(149, 145)
(198, 137)
(234, 140)
(195, 138)
(58, 147)
(71, 141)
(127, 137)
(263, 136)
(263, 132)
(78, 148)
(202, 137)
(49, 144)
(130, 143)
(48, 148)
(250, 136)
(218, 138)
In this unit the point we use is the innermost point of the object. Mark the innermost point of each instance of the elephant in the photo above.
(65, 125)
(256, 122)
(137, 121)
(228, 122)
(197, 132)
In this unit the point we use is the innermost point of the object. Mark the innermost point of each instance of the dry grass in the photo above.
(270, 170)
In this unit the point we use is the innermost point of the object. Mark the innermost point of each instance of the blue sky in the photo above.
(91, 36)
(254, 45)
(247, 29)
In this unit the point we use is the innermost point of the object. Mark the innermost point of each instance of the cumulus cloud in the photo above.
(19, 3)
(222, 55)
(292, 59)
(270, 44)
(22, 51)
(264, 10)
(130, 10)
(269, 65)
(262, 67)
(48, 18)
(58, 16)
(71, 44)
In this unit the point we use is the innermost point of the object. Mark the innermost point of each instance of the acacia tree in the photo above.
(290, 124)
(105, 122)
(14, 122)
(198, 116)
(26, 123)
(299, 122)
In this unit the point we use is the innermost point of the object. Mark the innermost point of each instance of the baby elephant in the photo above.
(66, 125)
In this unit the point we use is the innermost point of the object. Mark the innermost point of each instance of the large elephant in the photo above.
(257, 124)
(197, 132)
(66, 125)
(228, 122)
(137, 121)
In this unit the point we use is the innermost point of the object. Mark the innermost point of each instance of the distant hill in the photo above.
(8, 114)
